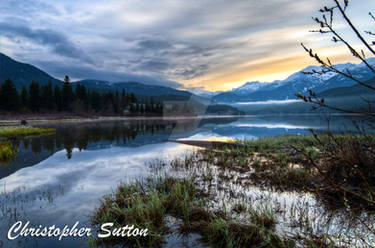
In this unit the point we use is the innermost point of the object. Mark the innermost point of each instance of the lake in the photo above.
(59, 179)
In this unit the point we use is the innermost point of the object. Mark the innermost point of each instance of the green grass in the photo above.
(288, 163)
(339, 168)
(7, 152)
(147, 204)
(15, 132)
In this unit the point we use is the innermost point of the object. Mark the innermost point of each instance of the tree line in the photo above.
(77, 99)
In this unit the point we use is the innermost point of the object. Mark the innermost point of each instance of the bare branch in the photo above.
(321, 103)
(353, 27)
(331, 68)
(372, 16)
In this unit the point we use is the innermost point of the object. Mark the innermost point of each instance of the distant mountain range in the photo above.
(134, 87)
(23, 74)
(330, 85)
(298, 82)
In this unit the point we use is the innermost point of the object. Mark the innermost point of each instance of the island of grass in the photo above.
(7, 150)
(23, 131)
(229, 195)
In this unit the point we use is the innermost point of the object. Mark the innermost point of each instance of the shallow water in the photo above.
(59, 179)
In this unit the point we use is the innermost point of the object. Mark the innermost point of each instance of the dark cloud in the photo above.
(59, 43)
(192, 72)
(154, 44)
(186, 41)
(153, 65)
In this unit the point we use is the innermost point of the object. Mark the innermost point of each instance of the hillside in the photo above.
(22, 74)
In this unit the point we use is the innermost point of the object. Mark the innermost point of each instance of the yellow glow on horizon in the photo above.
(267, 70)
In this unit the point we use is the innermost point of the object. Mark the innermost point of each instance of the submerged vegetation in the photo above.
(289, 191)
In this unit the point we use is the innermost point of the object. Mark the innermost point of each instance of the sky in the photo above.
(207, 44)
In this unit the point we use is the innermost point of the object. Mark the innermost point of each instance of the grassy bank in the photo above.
(290, 191)
(15, 132)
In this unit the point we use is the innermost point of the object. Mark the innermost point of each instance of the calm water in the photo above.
(59, 179)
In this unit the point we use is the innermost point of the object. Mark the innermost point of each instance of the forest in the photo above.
(73, 99)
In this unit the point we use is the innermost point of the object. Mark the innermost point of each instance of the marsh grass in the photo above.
(15, 132)
(269, 162)
(334, 166)
(146, 204)
(338, 169)
(7, 152)
(229, 195)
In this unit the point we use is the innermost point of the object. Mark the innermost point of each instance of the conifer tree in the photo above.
(46, 98)
(67, 94)
(9, 98)
(57, 98)
(34, 97)
(95, 100)
(24, 97)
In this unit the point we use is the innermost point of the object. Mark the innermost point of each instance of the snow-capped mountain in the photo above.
(250, 87)
(297, 82)
(199, 91)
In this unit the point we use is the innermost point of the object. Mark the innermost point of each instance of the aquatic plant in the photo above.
(7, 152)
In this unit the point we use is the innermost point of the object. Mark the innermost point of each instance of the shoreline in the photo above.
(81, 119)
(12, 120)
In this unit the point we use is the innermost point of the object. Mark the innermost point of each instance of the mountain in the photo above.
(354, 90)
(199, 91)
(298, 82)
(355, 97)
(22, 74)
(138, 89)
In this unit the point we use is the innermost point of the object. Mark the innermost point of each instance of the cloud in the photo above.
(59, 43)
(153, 65)
(86, 72)
(154, 44)
(210, 44)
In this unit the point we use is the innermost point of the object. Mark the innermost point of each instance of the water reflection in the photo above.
(60, 191)
(137, 133)
(91, 136)
(60, 178)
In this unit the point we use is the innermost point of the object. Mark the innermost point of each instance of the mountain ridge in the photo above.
(297, 82)
(22, 74)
